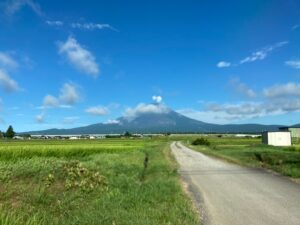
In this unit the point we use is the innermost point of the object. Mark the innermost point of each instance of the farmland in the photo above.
(115, 181)
(250, 152)
(109, 182)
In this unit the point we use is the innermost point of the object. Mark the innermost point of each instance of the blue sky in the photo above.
(68, 65)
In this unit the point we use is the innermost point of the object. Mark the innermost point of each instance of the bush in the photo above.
(201, 141)
(81, 177)
(291, 148)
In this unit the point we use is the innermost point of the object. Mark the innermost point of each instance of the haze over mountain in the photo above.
(157, 118)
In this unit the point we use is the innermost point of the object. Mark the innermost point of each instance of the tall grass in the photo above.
(8, 218)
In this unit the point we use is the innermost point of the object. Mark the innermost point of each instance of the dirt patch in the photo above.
(15, 202)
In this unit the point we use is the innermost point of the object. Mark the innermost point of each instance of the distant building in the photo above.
(74, 138)
(277, 138)
(18, 138)
(248, 135)
(295, 131)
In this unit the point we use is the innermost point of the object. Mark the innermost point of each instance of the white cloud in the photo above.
(40, 118)
(284, 105)
(92, 26)
(7, 61)
(208, 117)
(79, 57)
(251, 109)
(295, 64)
(248, 110)
(157, 99)
(242, 88)
(223, 64)
(13, 6)
(279, 99)
(231, 112)
(69, 94)
(283, 90)
(97, 110)
(275, 100)
(259, 55)
(58, 106)
(143, 108)
(56, 23)
(50, 101)
(112, 122)
(255, 56)
(7, 83)
(102, 110)
(262, 53)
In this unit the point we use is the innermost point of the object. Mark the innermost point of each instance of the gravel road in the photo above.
(229, 194)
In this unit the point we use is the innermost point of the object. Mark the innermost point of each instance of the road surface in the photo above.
(233, 195)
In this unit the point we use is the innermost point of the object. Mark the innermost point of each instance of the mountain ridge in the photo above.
(163, 122)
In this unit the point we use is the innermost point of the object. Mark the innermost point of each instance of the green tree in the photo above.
(127, 134)
(10, 132)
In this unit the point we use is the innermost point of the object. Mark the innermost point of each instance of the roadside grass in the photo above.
(104, 182)
(249, 152)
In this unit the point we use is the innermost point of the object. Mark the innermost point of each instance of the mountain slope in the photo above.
(170, 121)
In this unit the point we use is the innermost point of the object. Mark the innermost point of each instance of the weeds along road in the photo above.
(233, 195)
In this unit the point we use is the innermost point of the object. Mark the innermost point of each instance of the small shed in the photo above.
(277, 138)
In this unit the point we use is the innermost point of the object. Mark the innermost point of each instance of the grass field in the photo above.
(90, 182)
(250, 152)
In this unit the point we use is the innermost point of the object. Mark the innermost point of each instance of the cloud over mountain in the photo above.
(157, 99)
(143, 108)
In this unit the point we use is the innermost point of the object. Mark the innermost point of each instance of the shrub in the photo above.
(201, 141)
(81, 177)
(291, 148)
(258, 156)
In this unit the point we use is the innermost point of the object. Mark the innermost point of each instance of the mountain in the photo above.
(159, 122)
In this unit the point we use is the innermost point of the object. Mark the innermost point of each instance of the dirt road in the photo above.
(233, 195)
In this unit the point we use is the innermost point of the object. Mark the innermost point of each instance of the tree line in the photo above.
(10, 133)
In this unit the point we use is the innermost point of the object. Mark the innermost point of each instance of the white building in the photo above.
(278, 138)
(74, 138)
